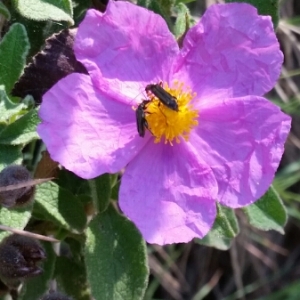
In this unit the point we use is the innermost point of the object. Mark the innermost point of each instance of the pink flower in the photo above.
(230, 138)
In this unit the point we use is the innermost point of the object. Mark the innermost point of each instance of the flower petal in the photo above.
(231, 52)
(168, 195)
(125, 48)
(86, 132)
(242, 139)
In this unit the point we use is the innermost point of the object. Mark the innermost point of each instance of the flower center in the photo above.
(167, 123)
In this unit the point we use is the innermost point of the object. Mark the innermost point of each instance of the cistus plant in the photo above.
(175, 128)
(223, 144)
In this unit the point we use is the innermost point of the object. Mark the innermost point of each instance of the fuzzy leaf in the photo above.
(183, 15)
(39, 10)
(4, 11)
(22, 131)
(15, 218)
(101, 191)
(71, 278)
(225, 228)
(115, 190)
(116, 258)
(60, 206)
(218, 242)
(163, 8)
(73, 183)
(268, 212)
(184, 1)
(265, 7)
(142, 3)
(13, 51)
(9, 155)
(7, 108)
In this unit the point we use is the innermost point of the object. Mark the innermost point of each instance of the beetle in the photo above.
(141, 121)
(164, 97)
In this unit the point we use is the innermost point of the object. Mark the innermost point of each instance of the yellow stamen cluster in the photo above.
(166, 123)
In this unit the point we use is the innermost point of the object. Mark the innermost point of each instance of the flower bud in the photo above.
(13, 175)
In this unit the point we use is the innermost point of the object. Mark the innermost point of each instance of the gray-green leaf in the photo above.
(22, 131)
(13, 51)
(4, 11)
(184, 1)
(268, 212)
(225, 228)
(71, 278)
(101, 191)
(15, 218)
(265, 7)
(39, 10)
(10, 155)
(8, 109)
(60, 206)
(182, 20)
(116, 258)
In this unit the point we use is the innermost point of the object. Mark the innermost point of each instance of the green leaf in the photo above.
(71, 278)
(115, 190)
(163, 8)
(15, 218)
(182, 20)
(4, 11)
(37, 286)
(268, 212)
(264, 7)
(13, 51)
(225, 228)
(79, 9)
(143, 3)
(10, 155)
(73, 183)
(218, 242)
(41, 10)
(75, 244)
(116, 258)
(184, 1)
(60, 206)
(101, 191)
(8, 109)
(22, 131)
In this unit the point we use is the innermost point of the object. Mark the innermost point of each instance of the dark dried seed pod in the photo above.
(13, 265)
(13, 175)
(18, 259)
(30, 248)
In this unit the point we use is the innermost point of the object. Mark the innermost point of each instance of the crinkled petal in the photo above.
(231, 52)
(242, 139)
(86, 132)
(168, 194)
(125, 48)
